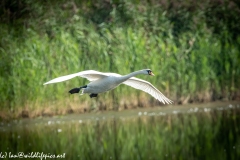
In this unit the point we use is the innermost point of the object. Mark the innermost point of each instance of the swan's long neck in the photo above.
(133, 74)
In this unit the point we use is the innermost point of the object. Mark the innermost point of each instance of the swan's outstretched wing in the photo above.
(91, 75)
(148, 88)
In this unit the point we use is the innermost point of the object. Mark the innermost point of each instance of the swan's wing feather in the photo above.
(91, 75)
(148, 88)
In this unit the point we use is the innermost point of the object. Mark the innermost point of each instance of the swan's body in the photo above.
(103, 82)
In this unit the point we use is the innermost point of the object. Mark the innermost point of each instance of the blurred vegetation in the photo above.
(192, 47)
(198, 135)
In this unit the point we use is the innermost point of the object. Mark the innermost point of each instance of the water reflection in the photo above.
(204, 132)
(125, 114)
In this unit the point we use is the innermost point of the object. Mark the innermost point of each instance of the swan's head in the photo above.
(149, 72)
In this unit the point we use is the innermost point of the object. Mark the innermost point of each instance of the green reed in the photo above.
(193, 64)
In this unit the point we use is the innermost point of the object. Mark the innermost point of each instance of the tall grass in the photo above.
(191, 62)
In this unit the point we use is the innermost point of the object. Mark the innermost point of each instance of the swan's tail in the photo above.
(76, 90)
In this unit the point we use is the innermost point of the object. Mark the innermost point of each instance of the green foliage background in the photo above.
(192, 47)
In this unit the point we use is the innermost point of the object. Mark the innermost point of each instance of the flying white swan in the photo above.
(103, 82)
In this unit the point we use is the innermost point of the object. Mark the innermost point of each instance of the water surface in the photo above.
(204, 131)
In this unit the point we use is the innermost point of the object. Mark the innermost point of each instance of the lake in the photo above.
(199, 131)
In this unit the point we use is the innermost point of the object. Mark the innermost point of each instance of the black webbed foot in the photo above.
(76, 90)
(93, 95)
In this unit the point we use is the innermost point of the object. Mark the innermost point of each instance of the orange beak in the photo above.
(151, 74)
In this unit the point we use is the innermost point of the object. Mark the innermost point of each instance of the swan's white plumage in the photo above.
(90, 75)
(148, 88)
(115, 79)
